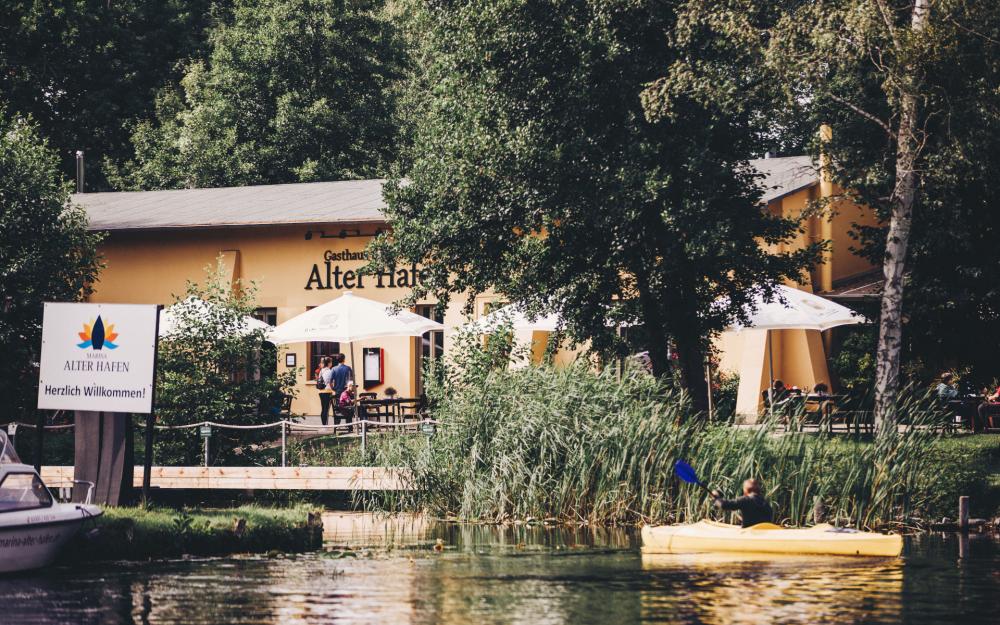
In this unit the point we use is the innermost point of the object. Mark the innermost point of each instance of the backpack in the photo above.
(320, 384)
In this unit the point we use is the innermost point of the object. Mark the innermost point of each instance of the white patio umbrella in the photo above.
(518, 320)
(170, 317)
(349, 319)
(794, 309)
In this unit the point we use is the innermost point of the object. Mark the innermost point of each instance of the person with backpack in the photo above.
(324, 384)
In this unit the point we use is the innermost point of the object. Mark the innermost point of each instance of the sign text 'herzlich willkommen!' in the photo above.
(98, 357)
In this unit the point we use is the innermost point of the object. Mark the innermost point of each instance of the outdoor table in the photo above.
(797, 406)
(965, 408)
(379, 409)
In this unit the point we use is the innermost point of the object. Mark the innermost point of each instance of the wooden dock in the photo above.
(255, 478)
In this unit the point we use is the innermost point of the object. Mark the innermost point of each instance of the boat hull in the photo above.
(712, 537)
(35, 539)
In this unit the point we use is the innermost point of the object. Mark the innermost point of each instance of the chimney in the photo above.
(79, 171)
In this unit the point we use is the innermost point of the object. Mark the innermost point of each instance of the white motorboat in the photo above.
(33, 525)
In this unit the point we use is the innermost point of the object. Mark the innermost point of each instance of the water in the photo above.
(380, 571)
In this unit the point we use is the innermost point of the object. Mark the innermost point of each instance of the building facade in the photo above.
(797, 189)
(302, 245)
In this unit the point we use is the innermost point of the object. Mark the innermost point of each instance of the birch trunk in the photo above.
(894, 263)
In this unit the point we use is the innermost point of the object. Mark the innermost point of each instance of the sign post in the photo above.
(100, 358)
(147, 456)
(206, 433)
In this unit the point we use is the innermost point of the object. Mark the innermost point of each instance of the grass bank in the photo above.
(138, 533)
(573, 445)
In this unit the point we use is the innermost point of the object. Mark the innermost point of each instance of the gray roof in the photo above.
(784, 175)
(350, 201)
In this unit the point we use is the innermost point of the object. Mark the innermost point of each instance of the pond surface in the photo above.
(388, 571)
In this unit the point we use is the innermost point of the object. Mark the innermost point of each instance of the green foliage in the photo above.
(727, 388)
(87, 70)
(213, 368)
(854, 361)
(46, 254)
(578, 445)
(846, 63)
(537, 172)
(144, 533)
(292, 91)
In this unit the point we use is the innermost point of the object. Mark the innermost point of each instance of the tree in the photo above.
(46, 253)
(213, 368)
(905, 93)
(86, 70)
(538, 172)
(292, 91)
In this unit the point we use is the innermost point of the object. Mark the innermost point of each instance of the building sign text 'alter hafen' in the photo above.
(330, 275)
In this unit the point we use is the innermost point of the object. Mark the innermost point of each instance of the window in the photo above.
(315, 351)
(267, 315)
(23, 491)
(318, 349)
(431, 343)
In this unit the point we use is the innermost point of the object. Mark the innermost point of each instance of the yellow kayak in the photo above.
(824, 539)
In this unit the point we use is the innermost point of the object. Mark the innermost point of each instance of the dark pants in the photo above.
(324, 401)
(987, 412)
(344, 413)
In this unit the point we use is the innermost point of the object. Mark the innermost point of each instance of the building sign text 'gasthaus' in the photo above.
(98, 357)
(330, 275)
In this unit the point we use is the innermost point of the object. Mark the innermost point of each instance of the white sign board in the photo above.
(98, 357)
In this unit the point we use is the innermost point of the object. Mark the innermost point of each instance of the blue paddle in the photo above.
(686, 472)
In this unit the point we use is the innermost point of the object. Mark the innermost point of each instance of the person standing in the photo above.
(342, 374)
(324, 384)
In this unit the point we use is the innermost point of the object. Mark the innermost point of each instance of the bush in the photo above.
(46, 255)
(212, 368)
(727, 386)
(575, 444)
(141, 533)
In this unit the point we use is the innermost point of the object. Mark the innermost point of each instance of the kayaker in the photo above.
(752, 505)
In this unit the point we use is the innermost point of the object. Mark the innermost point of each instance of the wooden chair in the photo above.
(819, 411)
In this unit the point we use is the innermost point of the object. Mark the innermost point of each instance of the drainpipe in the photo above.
(79, 171)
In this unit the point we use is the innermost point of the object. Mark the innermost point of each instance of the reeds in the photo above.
(576, 445)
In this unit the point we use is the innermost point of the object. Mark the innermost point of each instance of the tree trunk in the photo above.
(894, 263)
(692, 366)
(653, 322)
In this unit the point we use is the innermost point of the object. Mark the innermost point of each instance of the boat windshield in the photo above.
(7, 453)
(23, 491)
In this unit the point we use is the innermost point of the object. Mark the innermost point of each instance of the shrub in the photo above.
(575, 444)
(212, 368)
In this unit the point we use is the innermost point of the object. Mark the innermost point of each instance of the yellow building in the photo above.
(794, 185)
(302, 245)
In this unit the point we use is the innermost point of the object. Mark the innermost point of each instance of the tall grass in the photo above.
(574, 444)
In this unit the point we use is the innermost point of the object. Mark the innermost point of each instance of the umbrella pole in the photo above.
(770, 368)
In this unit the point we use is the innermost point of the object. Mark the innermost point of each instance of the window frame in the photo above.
(265, 314)
(311, 369)
(432, 341)
(34, 476)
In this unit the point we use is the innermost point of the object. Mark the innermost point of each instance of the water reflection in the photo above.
(788, 589)
(387, 571)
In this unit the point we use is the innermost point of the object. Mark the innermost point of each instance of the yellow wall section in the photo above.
(154, 267)
(800, 357)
